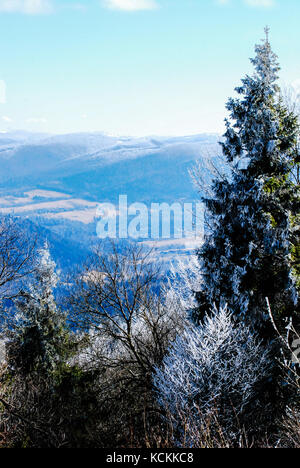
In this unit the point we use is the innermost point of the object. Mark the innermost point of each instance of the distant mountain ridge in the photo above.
(57, 181)
(40, 158)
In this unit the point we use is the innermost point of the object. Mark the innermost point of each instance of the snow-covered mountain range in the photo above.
(58, 180)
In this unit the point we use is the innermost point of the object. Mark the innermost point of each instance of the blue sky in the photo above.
(134, 67)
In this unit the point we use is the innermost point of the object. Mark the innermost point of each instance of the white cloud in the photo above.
(130, 5)
(28, 7)
(2, 92)
(7, 119)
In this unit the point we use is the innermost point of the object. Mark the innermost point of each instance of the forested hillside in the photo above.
(102, 348)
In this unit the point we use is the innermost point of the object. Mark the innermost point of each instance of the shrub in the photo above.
(218, 367)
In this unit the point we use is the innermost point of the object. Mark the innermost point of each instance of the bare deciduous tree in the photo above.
(116, 297)
(17, 253)
(217, 366)
(130, 327)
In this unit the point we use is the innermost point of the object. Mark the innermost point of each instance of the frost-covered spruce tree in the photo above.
(251, 249)
(39, 340)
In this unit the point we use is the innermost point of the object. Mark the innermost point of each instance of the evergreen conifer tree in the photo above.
(251, 249)
(40, 338)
